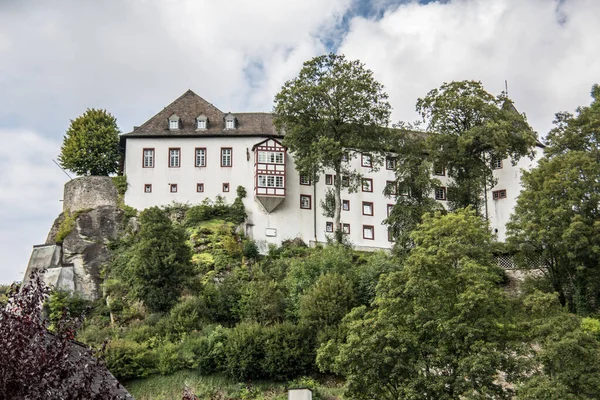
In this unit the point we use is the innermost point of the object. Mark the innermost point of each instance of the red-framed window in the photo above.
(366, 160)
(226, 156)
(346, 228)
(368, 232)
(440, 193)
(329, 179)
(148, 158)
(499, 194)
(390, 207)
(329, 227)
(496, 163)
(391, 188)
(439, 169)
(345, 205)
(367, 208)
(305, 201)
(225, 187)
(390, 162)
(305, 180)
(367, 185)
(200, 157)
(174, 157)
(148, 188)
(173, 187)
(199, 187)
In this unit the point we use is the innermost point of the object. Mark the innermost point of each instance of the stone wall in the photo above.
(89, 192)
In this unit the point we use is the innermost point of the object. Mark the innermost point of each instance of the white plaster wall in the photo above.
(509, 178)
(288, 219)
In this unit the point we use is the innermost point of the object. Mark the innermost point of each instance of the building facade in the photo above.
(191, 151)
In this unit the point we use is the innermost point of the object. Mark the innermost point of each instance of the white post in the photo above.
(299, 394)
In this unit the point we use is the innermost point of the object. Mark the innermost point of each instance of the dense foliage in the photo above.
(91, 144)
(332, 106)
(468, 129)
(556, 220)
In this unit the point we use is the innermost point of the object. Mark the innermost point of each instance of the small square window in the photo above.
(173, 188)
(147, 188)
(438, 169)
(365, 160)
(346, 205)
(496, 163)
(499, 194)
(390, 162)
(173, 124)
(368, 232)
(329, 227)
(367, 185)
(391, 188)
(226, 187)
(304, 180)
(390, 207)
(201, 124)
(440, 193)
(230, 123)
(346, 228)
(329, 179)
(367, 208)
(305, 201)
(345, 181)
(345, 157)
(200, 187)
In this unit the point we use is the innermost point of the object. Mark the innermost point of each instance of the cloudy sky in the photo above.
(133, 57)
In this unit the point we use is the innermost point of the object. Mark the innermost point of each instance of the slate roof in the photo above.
(189, 106)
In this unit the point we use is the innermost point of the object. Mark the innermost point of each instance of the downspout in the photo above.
(315, 208)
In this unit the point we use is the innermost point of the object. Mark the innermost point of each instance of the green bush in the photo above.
(244, 351)
(126, 359)
(61, 302)
(591, 325)
(204, 352)
(262, 301)
(120, 183)
(66, 226)
(219, 209)
(288, 351)
(169, 359)
(186, 316)
(327, 302)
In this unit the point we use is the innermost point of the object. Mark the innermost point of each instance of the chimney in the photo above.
(299, 394)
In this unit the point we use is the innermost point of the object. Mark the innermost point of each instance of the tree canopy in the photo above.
(556, 219)
(469, 128)
(91, 144)
(333, 108)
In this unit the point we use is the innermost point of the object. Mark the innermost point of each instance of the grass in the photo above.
(219, 387)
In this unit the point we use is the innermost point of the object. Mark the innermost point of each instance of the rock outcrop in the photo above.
(75, 263)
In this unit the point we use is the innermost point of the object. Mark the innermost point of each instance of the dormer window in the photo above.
(230, 121)
(173, 122)
(201, 122)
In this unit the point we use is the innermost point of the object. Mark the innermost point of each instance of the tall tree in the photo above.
(558, 212)
(414, 185)
(469, 128)
(333, 110)
(158, 264)
(440, 328)
(91, 144)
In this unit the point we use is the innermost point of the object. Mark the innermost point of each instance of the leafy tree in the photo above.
(413, 170)
(439, 329)
(557, 213)
(331, 110)
(39, 365)
(91, 144)
(468, 128)
(159, 262)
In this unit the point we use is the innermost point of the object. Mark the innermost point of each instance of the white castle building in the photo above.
(191, 150)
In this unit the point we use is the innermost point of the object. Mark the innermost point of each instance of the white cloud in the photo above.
(546, 51)
(30, 197)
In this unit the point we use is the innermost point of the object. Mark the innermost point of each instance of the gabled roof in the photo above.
(189, 106)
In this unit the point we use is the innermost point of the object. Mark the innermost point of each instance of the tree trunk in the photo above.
(337, 183)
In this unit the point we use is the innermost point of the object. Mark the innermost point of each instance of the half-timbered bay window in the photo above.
(226, 153)
(148, 158)
(174, 158)
(270, 157)
(270, 181)
(200, 157)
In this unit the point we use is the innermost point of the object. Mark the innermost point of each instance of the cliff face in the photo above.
(75, 263)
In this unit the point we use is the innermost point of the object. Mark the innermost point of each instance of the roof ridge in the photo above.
(186, 93)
